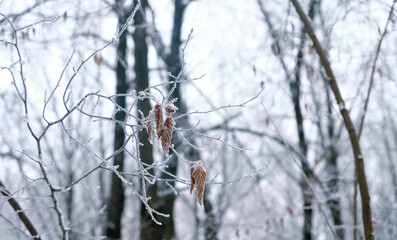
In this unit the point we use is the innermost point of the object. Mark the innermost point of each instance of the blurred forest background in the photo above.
(79, 80)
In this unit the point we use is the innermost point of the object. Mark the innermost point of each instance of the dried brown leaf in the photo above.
(166, 134)
(197, 177)
(158, 118)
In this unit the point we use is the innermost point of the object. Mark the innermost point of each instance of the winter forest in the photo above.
(198, 119)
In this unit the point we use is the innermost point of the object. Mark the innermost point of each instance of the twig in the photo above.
(51, 20)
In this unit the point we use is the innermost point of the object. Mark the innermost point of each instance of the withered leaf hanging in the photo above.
(158, 118)
(166, 134)
(197, 177)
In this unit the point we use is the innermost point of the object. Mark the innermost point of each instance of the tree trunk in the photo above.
(149, 229)
(295, 92)
(69, 199)
(174, 66)
(332, 169)
(306, 192)
(116, 201)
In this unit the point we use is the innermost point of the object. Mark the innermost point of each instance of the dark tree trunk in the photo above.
(331, 168)
(174, 65)
(173, 62)
(149, 229)
(69, 198)
(306, 191)
(116, 201)
(295, 92)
